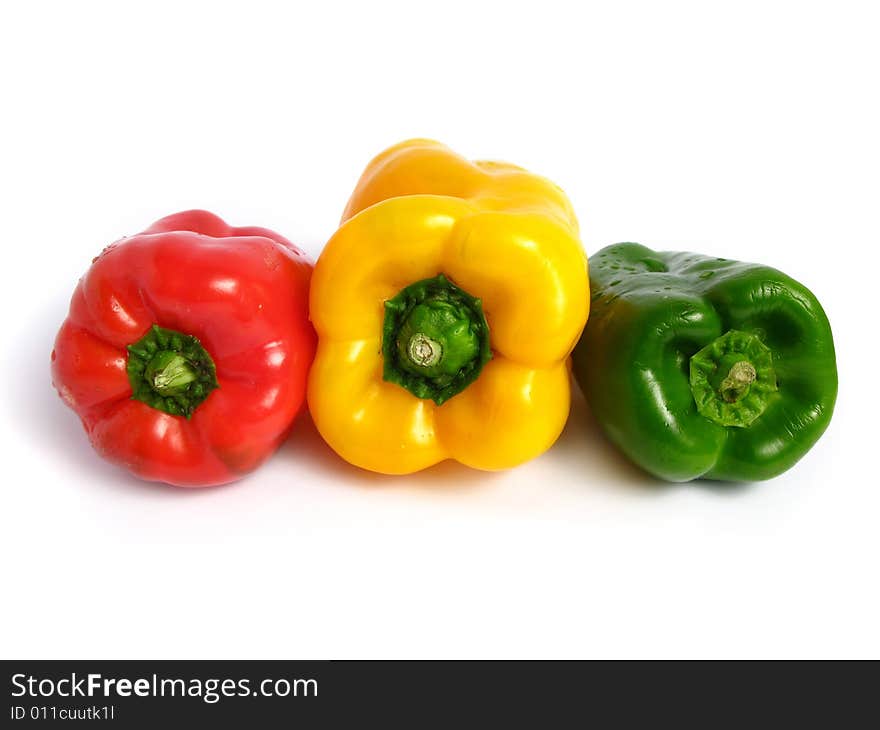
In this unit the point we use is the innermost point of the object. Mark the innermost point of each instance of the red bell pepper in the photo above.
(186, 349)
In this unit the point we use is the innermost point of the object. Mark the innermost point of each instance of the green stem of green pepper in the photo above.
(732, 379)
(740, 376)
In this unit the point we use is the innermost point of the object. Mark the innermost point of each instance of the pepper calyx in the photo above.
(435, 339)
(170, 371)
(732, 379)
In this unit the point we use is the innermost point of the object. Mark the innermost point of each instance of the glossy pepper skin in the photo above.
(446, 307)
(186, 349)
(705, 367)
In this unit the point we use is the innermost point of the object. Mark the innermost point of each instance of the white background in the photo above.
(745, 130)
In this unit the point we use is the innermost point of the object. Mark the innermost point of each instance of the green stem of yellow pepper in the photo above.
(435, 339)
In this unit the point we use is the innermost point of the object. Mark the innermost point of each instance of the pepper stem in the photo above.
(423, 351)
(732, 379)
(170, 371)
(742, 374)
(435, 339)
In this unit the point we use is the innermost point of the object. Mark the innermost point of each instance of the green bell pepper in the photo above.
(704, 367)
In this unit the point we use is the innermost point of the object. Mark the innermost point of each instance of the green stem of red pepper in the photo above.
(170, 371)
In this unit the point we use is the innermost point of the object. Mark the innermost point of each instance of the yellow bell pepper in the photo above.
(446, 307)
